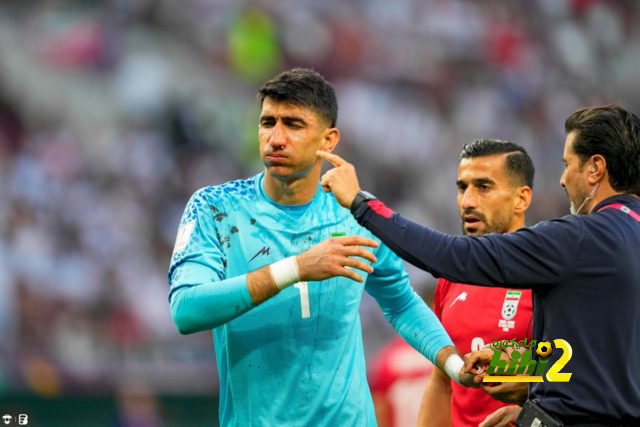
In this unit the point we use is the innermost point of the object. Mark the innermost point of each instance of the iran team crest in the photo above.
(510, 306)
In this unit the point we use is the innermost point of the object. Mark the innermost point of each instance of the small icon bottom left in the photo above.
(22, 419)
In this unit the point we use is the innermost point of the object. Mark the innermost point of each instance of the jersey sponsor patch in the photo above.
(184, 235)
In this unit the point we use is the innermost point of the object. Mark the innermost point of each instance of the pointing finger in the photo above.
(335, 160)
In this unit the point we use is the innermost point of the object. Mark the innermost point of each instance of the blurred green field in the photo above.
(105, 411)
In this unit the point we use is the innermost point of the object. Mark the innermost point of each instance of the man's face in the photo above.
(573, 178)
(486, 198)
(289, 136)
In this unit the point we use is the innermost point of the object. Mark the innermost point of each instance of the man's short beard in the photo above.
(578, 206)
(499, 224)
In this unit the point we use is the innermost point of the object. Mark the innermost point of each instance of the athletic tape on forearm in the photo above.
(452, 367)
(285, 272)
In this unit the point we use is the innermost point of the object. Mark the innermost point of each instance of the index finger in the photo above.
(334, 159)
(357, 240)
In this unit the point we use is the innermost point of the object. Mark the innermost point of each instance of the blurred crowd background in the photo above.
(112, 113)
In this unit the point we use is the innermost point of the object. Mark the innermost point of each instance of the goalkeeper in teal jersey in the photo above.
(256, 262)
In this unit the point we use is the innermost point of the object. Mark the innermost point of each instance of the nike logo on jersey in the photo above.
(461, 297)
(264, 251)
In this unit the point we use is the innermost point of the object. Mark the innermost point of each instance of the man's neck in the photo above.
(516, 227)
(291, 192)
(603, 192)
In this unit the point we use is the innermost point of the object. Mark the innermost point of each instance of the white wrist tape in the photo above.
(285, 272)
(452, 367)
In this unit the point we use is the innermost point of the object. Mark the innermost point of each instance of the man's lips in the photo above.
(471, 220)
(275, 157)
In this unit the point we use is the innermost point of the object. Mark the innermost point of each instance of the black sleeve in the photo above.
(529, 258)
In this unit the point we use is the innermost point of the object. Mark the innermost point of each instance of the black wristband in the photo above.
(361, 197)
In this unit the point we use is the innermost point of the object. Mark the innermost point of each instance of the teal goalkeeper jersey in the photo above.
(297, 359)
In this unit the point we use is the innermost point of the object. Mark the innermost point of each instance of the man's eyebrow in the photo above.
(288, 119)
(294, 119)
(478, 181)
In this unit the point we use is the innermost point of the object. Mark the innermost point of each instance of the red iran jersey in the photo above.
(474, 316)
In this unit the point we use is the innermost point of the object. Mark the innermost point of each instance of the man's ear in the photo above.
(523, 199)
(330, 139)
(598, 169)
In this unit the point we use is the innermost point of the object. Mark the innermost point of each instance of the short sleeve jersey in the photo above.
(475, 316)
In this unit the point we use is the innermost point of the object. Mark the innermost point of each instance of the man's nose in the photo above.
(562, 182)
(278, 137)
(468, 200)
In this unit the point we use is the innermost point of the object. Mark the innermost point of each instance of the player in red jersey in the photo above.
(494, 182)
(396, 379)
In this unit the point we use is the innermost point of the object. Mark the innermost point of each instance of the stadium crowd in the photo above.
(113, 113)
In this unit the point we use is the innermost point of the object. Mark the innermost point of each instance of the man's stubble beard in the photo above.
(499, 224)
(578, 206)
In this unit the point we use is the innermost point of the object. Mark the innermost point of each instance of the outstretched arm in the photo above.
(530, 258)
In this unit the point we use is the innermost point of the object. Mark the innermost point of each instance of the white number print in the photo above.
(477, 343)
(304, 298)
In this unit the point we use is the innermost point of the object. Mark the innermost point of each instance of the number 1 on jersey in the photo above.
(304, 298)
